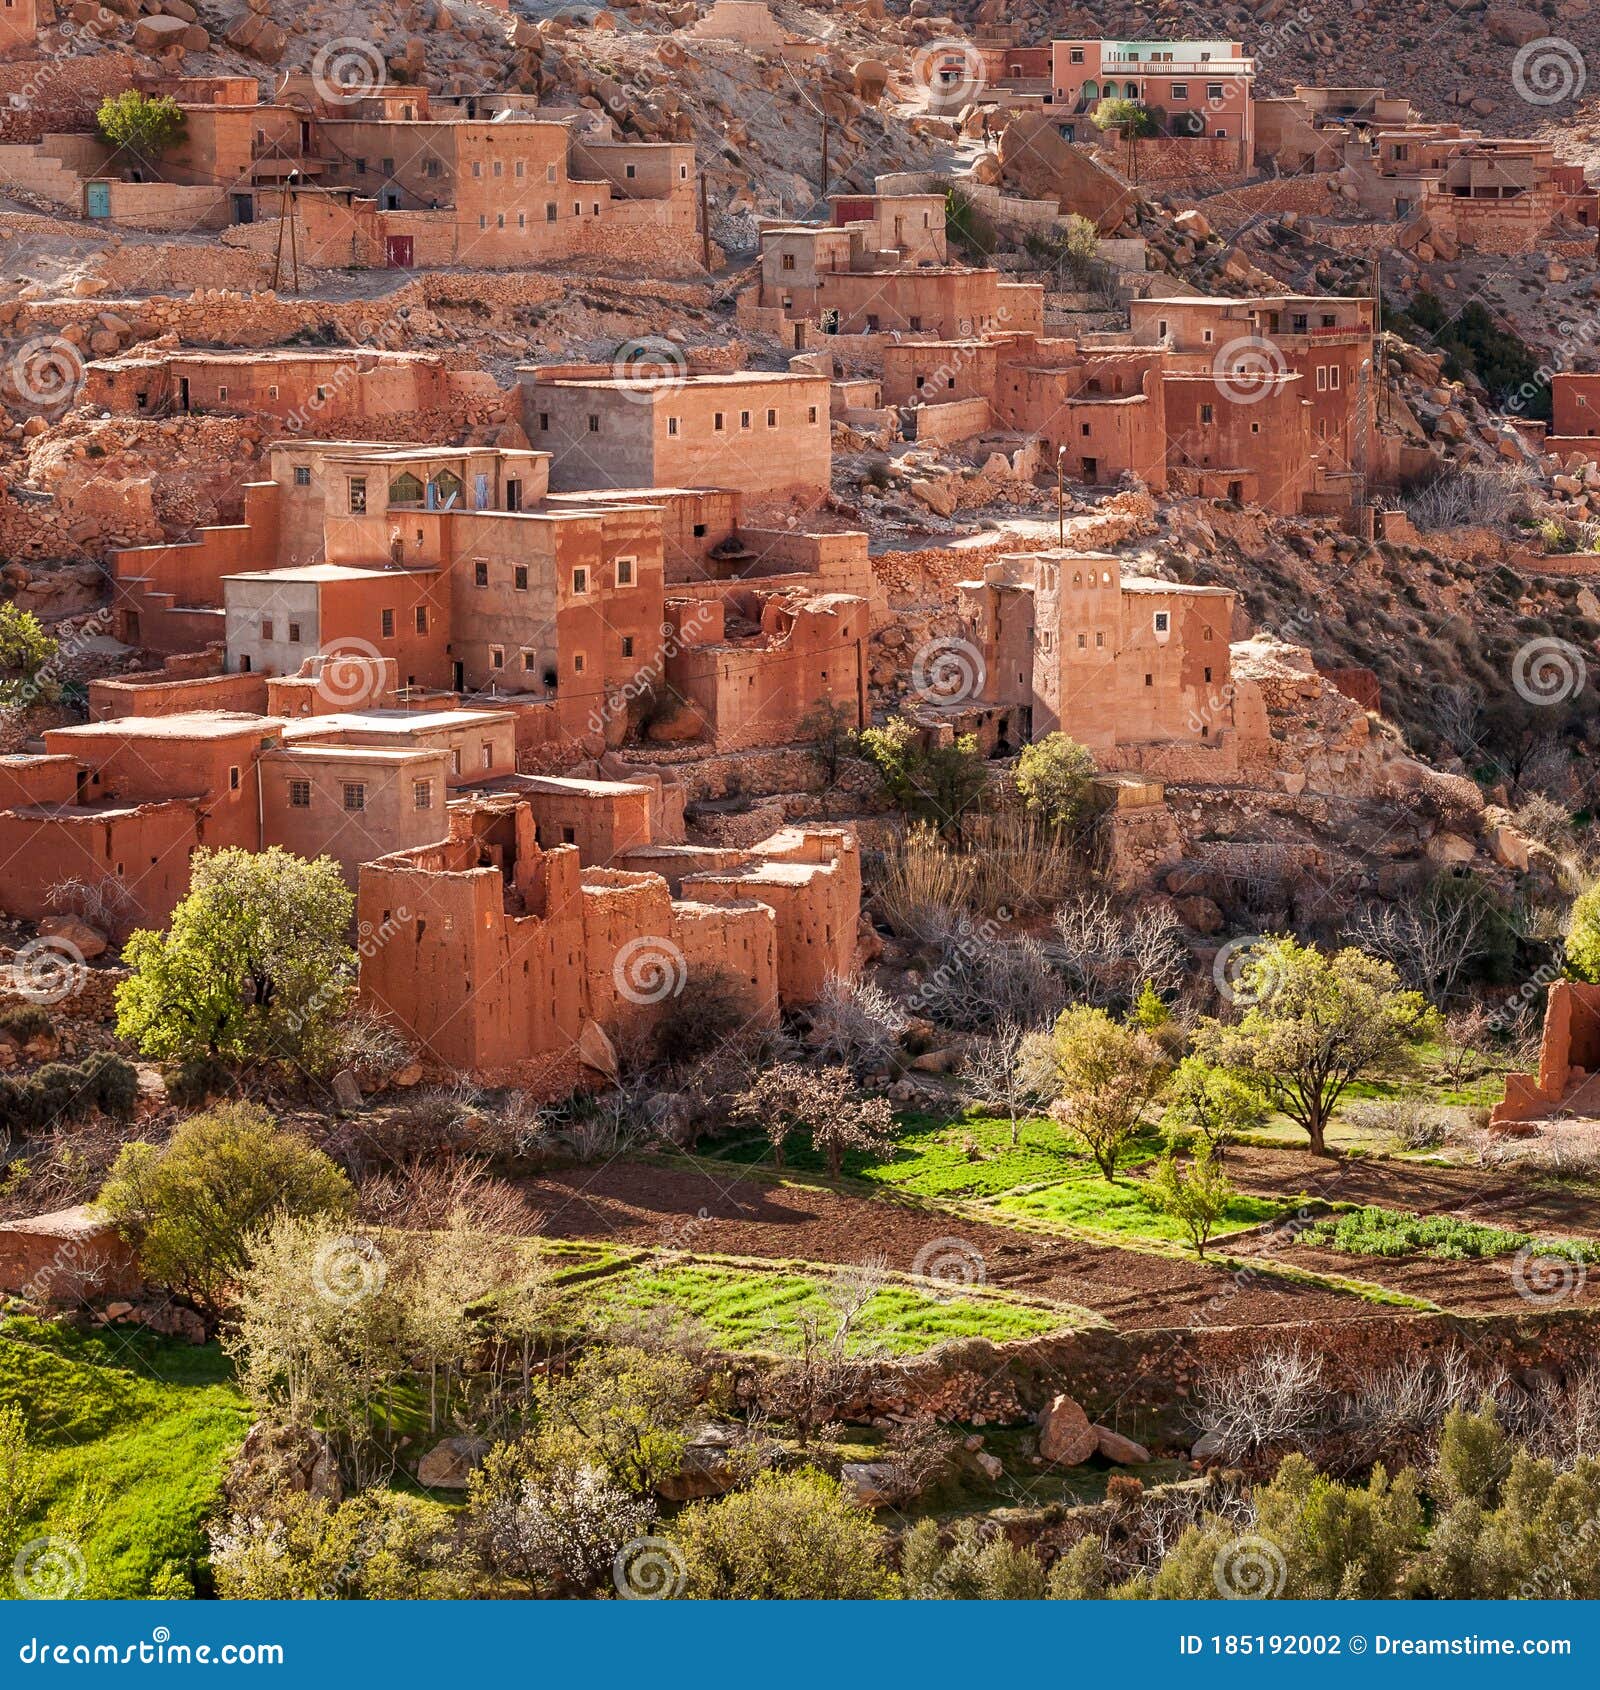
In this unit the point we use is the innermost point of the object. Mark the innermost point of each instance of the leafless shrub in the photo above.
(365, 1040)
(918, 1452)
(1433, 941)
(105, 903)
(1560, 1420)
(1107, 953)
(982, 979)
(810, 1391)
(429, 1193)
(856, 1023)
(1546, 821)
(1468, 497)
(1394, 1414)
(1407, 1120)
(1276, 1399)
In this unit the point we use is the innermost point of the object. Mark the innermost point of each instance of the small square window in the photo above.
(811, 414)
(233, 778)
(624, 571)
(358, 495)
(422, 795)
(580, 581)
(299, 795)
(422, 619)
(519, 577)
(1149, 680)
(302, 475)
(627, 645)
(497, 657)
(744, 419)
(527, 662)
(486, 752)
(716, 422)
(355, 795)
(1163, 621)
(294, 633)
(772, 419)
(266, 627)
(386, 624)
(480, 575)
(577, 663)
(672, 425)
(594, 424)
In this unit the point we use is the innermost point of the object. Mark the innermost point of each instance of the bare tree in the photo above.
(811, 1390)
(1002, 1075)
(1109, 953)
(1433, 941)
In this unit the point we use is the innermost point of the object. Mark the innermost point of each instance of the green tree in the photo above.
(626, 1409)
(788, 1537)
(381, 1545)
(190, 1206)
(1105, 1074)
(936, 783)
(1317, 1024)
(1197, 1197)
(25, 650)
(1055, 777)
(255, 965)
(1129, 119)
(1583, 937)
(1212, 1103)
(139, 125)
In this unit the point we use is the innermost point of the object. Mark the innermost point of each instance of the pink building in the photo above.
(1195, 90)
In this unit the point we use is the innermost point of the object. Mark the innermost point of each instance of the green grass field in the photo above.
(972, 1157)
(1126, 1209)
(135, 1434)
(761, 1309)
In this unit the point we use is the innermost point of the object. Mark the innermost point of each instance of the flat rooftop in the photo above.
(328, 572)
(188, 724)
(382, 754)
(400, 723)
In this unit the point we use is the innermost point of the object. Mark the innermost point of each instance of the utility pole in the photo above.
(705, 225)
(822, 192)
(1061, 499)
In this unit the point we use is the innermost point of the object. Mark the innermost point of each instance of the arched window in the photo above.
(405, 489)
(446, 489)
(1132, 90)
(1091, 89)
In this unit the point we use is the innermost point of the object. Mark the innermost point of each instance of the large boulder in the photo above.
(1115, 1447)
(1065, 1436)
(871, 1484)
(449, 1464)
(1039, 164)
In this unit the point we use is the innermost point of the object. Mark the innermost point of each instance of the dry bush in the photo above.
(856, 1023)
(708, 1013)
(1468, 498)
(919, 881)
(1276, 1399)
(1394, 1414)
(919, 1453)
(1107, 952)
(980, 980)
(1559, 1150)
(427, 1194)
(1558, 1420)
(1407, 1120)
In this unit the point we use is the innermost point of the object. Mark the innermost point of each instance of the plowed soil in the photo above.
(712, 1210)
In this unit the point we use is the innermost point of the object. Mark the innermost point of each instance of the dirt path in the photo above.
(713, 1210)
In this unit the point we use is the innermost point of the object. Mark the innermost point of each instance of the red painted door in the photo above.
(397, 249)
